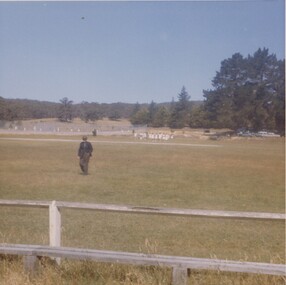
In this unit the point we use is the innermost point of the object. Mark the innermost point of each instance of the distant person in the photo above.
(84, 154)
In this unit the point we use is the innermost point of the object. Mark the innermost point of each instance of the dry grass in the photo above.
(87, 273)
(244, 175)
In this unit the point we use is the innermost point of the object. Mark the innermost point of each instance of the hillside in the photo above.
(23, 109)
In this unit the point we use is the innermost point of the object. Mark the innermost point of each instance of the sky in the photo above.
(128, 51)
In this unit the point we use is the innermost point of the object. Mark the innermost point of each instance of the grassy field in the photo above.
(240, 175)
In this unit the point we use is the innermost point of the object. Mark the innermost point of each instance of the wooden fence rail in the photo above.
(179, 264)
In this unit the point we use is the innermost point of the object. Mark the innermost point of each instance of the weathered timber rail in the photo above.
(144, 210)
(179, 264)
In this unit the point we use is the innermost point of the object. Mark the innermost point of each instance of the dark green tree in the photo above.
(3, 109)
(135, 109)
(180, 112)
(141, 117)
(11, 110)
(197, 117)
(89, 112)
(247, 92)
(65, 110)
(152, 110)
(161, 117)
(278, 105)
(114, 116)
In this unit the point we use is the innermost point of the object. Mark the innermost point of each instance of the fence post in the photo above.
(30, 264)
(55, 226)
(179, 275)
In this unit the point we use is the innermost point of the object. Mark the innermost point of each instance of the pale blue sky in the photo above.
(128, 51)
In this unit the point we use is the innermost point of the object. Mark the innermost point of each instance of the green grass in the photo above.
(240, 175)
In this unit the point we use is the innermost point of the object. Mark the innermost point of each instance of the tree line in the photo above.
(248, 92)
(65, 110)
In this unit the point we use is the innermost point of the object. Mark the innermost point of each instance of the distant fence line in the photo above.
(180, 265)
(70, 128)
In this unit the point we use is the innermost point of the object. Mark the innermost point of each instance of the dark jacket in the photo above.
(85, 147)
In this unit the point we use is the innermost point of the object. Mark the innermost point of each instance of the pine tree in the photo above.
(247, 93)
(152, 110)
(161, 118)
(180, 113)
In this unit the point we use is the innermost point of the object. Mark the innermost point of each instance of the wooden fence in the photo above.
(179, 264)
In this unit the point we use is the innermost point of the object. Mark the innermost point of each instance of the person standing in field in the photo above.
(84, 154)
